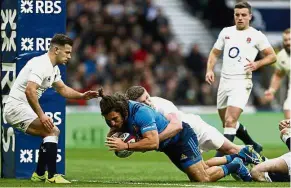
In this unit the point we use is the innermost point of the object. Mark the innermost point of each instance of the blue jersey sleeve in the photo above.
(145, 119)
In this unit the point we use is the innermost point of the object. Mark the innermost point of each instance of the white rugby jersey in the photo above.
(39, 70)
(283, 64)
(165, 107)
(238, 47)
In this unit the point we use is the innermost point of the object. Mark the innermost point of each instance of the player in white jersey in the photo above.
(240, 45)
(277, 169)
(23, 111)
(208, 137)
(282, 69)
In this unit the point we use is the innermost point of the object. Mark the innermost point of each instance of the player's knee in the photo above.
(230, 122)
(256, 174)
(56, 131)
(203, 179)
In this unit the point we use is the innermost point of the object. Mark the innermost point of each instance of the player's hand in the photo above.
(90, 95)
(284, 124)
(115, 144)
(209, 77)
(251, 66)
(47, 122)
(269, 95)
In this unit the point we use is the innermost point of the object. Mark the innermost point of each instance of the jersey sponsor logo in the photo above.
(40, 7)
(227, 37)
(249, 40)
(8, 29)
(35, 44)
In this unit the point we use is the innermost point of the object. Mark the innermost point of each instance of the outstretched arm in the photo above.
(70, 93)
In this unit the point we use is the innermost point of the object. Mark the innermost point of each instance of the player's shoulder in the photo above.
(228, 30)
(41, 59)
(256, 32)
(282, 53)
(159, 99)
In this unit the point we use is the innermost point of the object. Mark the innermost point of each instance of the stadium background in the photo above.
(161, 45)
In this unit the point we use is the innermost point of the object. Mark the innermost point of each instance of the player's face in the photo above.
(63, 54)
(114, 119)
(286, 42)
(242, 18)
(145, 98)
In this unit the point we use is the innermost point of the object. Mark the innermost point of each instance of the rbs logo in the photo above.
(35, 44)
(41, 6)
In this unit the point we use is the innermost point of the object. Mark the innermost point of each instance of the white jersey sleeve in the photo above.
(164, 106)
(58, 75)
(37, 74)
(219, 44)
(263, 42)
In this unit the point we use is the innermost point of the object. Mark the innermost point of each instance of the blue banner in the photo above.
(35, 23)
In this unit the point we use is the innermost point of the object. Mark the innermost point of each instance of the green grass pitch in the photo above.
(101, 168)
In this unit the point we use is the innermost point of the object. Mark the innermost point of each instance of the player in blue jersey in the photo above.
(182, 148)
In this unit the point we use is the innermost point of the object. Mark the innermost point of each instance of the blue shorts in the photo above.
(185, 151)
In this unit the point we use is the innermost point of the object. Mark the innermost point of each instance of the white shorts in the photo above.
(18, 114)
(233, 92)
(287, 158)
(287, 105)
(209, 138)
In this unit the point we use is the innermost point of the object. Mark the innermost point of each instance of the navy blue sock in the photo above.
(288, 143)
(41, 164)
(51, 158)
(230, 168)
(229, 158)
(243, 134)
(230, 137)
(279, 177)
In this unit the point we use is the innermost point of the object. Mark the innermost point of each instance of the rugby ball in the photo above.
(127, 138)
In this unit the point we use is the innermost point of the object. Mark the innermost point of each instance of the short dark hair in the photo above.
(62, 40)
(110, 103)
(134, 92)
(244, 4)
(287, 31)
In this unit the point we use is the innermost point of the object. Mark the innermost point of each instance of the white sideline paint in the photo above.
(151, 184)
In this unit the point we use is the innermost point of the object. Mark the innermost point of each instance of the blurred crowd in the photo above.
(120, 43)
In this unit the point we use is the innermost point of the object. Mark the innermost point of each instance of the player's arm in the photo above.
(275, 83)
(31, 95)
(149, 141)
(269, 57)
(70, 93)
(173, 128)
(212, 59)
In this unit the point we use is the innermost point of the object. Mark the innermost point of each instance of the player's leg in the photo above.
(50, 147)
(193, 164)
(49, 144)
(221, 113)
(277, 165)
(285, 136)
(229, 147)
